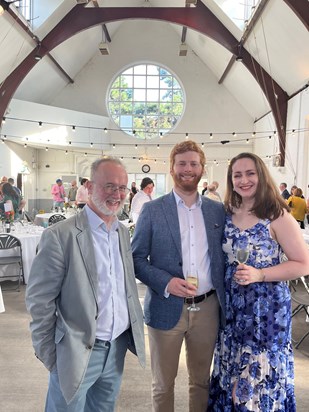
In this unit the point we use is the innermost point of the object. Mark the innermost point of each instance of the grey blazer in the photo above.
(157, 256)
(62, 298)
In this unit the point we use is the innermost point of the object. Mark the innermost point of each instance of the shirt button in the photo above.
(88, 347)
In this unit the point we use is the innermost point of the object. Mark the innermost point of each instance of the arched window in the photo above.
(146, 101)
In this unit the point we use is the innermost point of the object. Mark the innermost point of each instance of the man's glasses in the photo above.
(110, 189)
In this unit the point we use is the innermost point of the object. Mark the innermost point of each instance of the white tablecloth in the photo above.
(29, 243)
(42, 218)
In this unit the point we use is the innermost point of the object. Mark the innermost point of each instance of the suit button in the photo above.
(180, 263)
(88, 347)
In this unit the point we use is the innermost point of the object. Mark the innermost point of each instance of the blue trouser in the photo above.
(100, 387)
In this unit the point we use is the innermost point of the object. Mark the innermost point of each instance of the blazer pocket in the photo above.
(59, 334)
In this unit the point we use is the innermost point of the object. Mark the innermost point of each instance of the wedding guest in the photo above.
(141, 197)
(82, 194)
(58, 194)
(83, 299)
(72, 193)
(298, 206)
(253, 363)
(177, 235)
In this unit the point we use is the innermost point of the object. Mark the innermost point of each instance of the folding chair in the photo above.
(301, 297)
(55, 219)
(8, 242)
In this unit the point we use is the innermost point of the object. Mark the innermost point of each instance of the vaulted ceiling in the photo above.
(273, 47)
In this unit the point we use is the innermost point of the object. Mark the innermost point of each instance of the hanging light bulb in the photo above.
(158, 146)
(46, 148)
(25, 145)
(105, 130)
(234, 134)
(187, 136)
(40, 124)
(91, 144)
(73, 128)
(3, 120)
(210, 136)
(114, 146)
(66, 152)
(161, 135)
(253, 134)
(135, 146)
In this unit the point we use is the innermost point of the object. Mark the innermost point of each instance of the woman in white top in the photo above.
(82, 194)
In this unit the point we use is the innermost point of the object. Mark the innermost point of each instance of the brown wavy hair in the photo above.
(268, 204)
(187, 146)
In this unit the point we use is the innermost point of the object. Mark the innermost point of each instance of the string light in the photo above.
(91, 144)
(73, 128)
(85, 154)
(40, 124)
(234, 134)
(25, 145)
(210, 136)
(135, 146)
(3, 120)
(2, 141)
(105, 130)
(187, 136)
(253, 134)
(161, 135)
(66, 152)
(46, 149)
(114, 146)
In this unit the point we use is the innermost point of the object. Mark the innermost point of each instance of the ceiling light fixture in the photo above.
(183, 50)
(191, 2)
(239, 57)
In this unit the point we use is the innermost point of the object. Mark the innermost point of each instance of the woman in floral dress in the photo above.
(253, 365)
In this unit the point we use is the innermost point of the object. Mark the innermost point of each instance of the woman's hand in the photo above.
(245, 275)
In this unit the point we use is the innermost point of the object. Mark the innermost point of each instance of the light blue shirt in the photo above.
(113, 316)
(194, 243)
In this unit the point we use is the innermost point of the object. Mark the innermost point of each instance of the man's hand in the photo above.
(180, 287)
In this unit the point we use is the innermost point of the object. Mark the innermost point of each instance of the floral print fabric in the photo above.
(253, 353)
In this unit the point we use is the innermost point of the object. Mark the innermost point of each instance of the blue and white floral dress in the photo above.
(254, 350)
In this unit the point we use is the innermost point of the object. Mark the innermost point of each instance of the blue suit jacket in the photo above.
(157, 256)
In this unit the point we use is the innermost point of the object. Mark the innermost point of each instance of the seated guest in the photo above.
(11, 197)
(82, 194)
(298, 206)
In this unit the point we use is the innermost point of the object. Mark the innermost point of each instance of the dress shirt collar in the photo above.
(179, 200)
(95, 221)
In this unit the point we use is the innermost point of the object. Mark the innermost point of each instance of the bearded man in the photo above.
(176, 236)
(83, 299)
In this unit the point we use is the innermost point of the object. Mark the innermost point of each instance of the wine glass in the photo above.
(192, 278)
(242, 254)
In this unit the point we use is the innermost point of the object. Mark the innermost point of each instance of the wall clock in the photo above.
(146, 168)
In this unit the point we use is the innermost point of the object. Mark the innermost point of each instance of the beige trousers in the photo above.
(199, 331)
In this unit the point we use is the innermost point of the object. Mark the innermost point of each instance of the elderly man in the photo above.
(83, 299)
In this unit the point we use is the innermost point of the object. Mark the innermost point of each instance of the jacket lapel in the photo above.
(86, 250)
(170, 211)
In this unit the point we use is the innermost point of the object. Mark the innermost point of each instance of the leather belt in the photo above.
(200, 298)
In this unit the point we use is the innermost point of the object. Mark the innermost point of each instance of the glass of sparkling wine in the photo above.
(242, 254)
(193, 280)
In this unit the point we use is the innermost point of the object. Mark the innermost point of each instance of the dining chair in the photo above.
(55, 219)
(9, 242)
(28, 217)
(300, 296)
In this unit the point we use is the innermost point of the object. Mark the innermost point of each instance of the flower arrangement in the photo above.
(9, 215)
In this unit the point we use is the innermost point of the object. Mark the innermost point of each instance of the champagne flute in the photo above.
(193, 280)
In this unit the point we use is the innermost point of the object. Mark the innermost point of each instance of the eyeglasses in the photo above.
(110, 189)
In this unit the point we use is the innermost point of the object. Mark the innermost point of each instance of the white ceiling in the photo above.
(279, 42)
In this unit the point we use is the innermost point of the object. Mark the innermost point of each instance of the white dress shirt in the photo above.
(113, 317)
(194, 243)
(137, 203)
